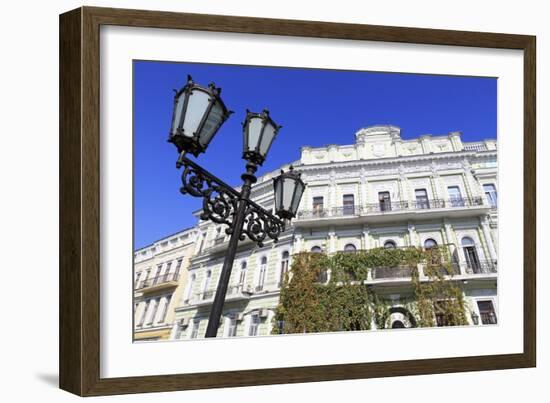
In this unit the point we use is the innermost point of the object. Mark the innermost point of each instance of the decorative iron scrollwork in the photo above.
(259, 225)
(220, 202)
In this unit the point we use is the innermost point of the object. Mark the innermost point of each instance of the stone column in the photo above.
(471, 184)
(332, 247)
(363, 191)
(403, 185)
(488, 238)
(435, 182)
(449, 234)
(331, 202)
(412, 234)
(298, 243)
(366, 237)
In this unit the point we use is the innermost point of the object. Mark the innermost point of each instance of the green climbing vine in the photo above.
(309, 303)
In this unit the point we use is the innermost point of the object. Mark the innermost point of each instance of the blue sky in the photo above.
(315, 107)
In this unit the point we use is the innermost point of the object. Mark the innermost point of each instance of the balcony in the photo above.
(158, 283)
(379, 273)
(480, 268)
(477, 146)
(236, 292)
(390, 211)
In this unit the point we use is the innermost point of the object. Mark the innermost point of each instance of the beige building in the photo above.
(160, 273)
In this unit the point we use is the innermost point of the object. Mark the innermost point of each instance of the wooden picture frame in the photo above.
(80, 187)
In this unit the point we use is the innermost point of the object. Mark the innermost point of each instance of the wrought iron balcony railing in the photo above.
(481, 267)
(163, 278)
(389, 207)
(391, 272)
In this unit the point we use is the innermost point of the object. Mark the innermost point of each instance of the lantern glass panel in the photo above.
(177, 111)
(197, 106)
(278, 194)
(211, 123)
(296, 201)
(254, 130)
(267, 139)
(288, 190)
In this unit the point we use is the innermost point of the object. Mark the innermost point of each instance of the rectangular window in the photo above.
(487, 312)
(422, 201)
(232, 326)
(254, 324)
(442, 317)
(165, 310)
(166, 276)
(143, 313)
(284, 268)
(178, 268)
(318, 205)
(156, 275)
(455, 197)
(349, 205)
(491, 194)
(262, 274)
(155, 304)
(195, 329)
(385, 201)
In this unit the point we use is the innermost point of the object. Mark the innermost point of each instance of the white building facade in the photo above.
(381, 191)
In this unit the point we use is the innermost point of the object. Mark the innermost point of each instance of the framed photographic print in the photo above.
(249, 201)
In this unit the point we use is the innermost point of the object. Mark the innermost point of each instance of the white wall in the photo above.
(30, 195)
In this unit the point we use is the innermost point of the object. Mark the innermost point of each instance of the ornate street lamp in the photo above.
(198, 114)
(289, 188)
(259, 132)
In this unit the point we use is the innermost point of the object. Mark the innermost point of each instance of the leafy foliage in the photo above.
(309, 303)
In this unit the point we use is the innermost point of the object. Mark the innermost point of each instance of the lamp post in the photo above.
(198, 114)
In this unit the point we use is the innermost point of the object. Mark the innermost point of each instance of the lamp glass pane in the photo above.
(212, 121)
(178, 109)
(267, 139)
(278, 194)
(288, 190)
(198, 102)
(254, 129)
(296, 202)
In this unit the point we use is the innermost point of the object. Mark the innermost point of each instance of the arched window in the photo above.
(390, 245)
(350, 248)
(242, 273)
(262, 274)
(397, 325)
(430, 246)
(470, 254)
(430, 243)
(284, 266)
(316, 249)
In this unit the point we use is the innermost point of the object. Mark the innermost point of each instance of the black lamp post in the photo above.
(198, 114)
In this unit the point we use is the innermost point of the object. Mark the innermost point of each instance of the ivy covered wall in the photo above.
(323, 293)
